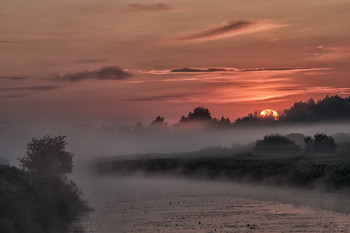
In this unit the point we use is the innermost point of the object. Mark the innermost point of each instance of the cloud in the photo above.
(148, 7)
(13, 77)
(231, 85)
(12, 96)
(211, 69)
(17, 92)
(29, 88)
(228, 30)
(281, 69)
(105, 73)
(228, 70)
(335, 52)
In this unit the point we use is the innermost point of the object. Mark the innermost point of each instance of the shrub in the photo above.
(275, 143)
(321, 143)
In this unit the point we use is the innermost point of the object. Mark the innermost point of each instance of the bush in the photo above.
(275, 144)
(40, 198)
(321, 143)
(47, 156)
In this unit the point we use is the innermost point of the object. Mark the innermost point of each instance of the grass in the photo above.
(331, 171)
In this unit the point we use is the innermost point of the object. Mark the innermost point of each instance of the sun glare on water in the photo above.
(268, 113)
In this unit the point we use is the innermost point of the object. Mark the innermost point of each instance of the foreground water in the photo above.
(170, 205)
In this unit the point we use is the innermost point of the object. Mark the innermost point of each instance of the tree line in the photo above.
(328, 109)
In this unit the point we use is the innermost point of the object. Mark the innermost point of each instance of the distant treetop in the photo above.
(327, 109)
(198, 114)
(275, 143)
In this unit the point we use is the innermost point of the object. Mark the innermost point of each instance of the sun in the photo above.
(269, 113)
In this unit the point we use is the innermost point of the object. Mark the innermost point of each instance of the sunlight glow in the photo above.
(269, 113)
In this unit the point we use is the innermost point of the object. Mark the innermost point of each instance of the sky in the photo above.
(120, 62)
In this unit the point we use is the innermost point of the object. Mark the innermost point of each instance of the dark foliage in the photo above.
(198, 114)
(202, 115)
(327, 109)
(39, 198)
(254, 119)
(321, 143)
(331, 173)
(159, 123)
(29, 204)
(275, 144)
(47, 156)
(223, 123)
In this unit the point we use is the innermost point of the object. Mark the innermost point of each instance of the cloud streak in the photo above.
(132, 8)
(105, 73)
(228, 70)
(228, 30)
(206, 70)
(331, 53)
(18, 92)
(29, 88)
(231, 85)
(13, 77)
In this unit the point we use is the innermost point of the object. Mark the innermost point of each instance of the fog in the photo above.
(150, 203)
(319, 200)
(90, 142)
(134, 204)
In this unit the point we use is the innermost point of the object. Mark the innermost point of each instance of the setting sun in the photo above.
(269, 112)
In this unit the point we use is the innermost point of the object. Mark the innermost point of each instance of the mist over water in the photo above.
(151, 204)
(88, 142)
(134, 204)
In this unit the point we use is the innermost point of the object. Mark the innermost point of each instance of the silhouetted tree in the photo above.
(198, 114)
(40, 198)
(308, 143)
(47, 156)
(159, 123)
(320, 143)
(254, 119)
(324, 143)
(326, 109)
(275, 143)
(158, 120)
(225, 122)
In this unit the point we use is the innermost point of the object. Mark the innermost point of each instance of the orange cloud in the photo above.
(334, 52)
(222, 87)
(226, 31)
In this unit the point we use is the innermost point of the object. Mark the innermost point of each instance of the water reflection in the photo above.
(166, 205)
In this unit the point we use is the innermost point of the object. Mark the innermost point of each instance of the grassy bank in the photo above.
(329, 171)
(36, 204)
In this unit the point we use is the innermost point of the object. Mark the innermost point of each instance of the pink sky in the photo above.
(114, 61)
